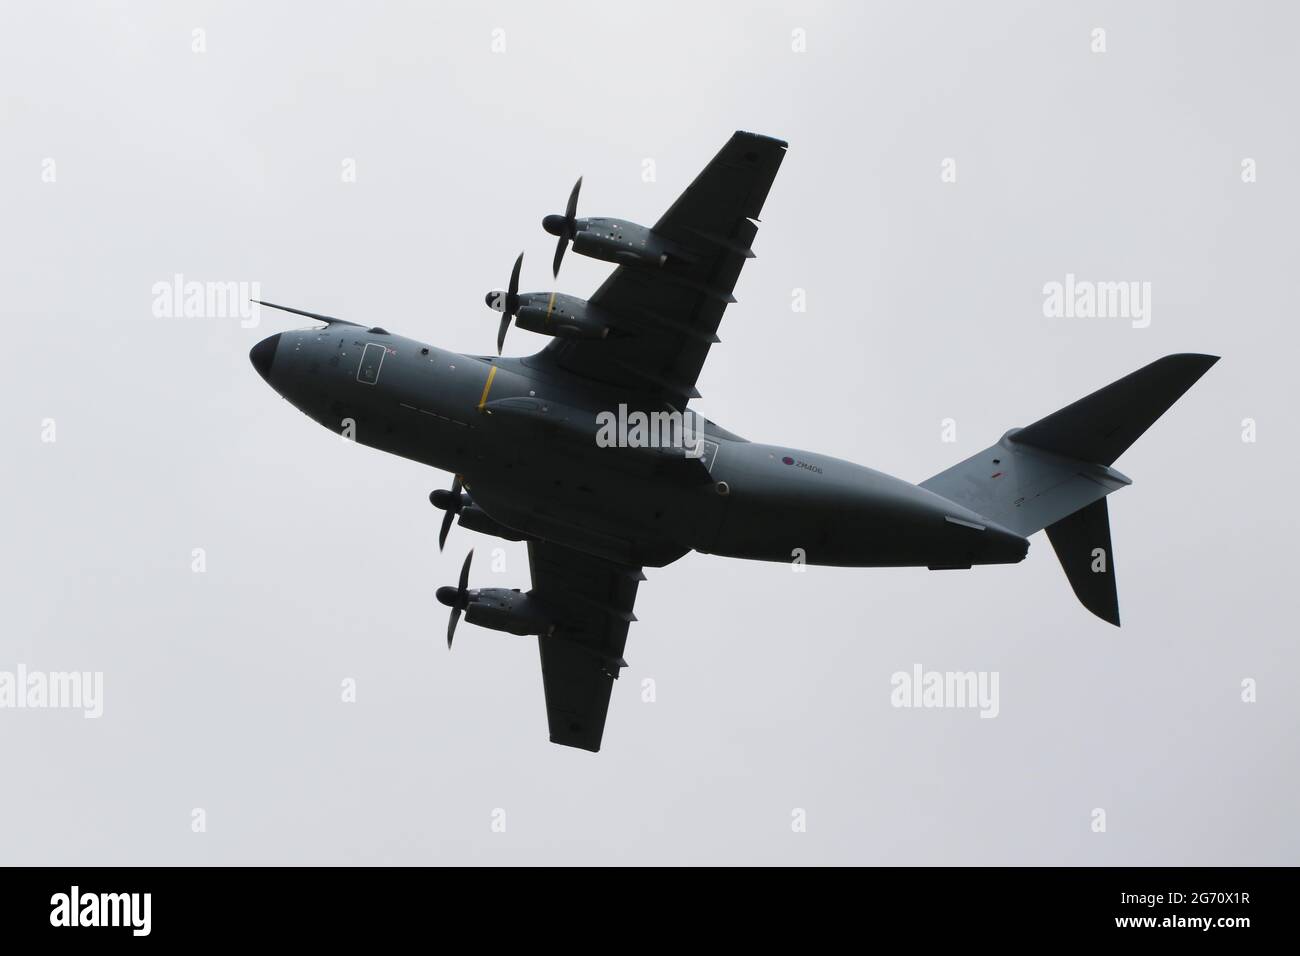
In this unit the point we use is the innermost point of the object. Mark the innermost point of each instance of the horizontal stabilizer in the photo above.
(1037, 475)
(1022, 488)
(1101, 426)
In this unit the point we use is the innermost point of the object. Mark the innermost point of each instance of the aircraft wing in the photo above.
(593, 601)
(669, 316)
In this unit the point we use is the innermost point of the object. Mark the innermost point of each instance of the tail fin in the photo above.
(1056, 473)
(1082, 545)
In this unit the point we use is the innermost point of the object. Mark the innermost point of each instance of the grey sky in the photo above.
(924, 302)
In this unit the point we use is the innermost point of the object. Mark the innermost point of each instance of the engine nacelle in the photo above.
(562, 315)
(504, 609)
(625, 243)
(476, 519)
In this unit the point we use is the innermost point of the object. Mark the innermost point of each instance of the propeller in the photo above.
(566, 227)
(456, 598)
(506, 303)
(451, 502)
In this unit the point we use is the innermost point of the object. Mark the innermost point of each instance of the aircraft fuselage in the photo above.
(523, 436)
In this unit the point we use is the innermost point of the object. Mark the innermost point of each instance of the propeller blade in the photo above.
(568, 229)
(460, 600)
(447, 519)
(451, 502)
(501, 331)
(464, 574)
(571, 209)
(451, 625)
(510, 304)
(512, 297)
(559, 256)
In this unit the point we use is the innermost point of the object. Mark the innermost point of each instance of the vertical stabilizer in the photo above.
(1056, 473)
(1082, 543)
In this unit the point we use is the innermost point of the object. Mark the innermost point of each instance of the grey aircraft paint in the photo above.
(440, 408)
(521, 433)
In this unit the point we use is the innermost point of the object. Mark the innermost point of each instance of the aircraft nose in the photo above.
(263, 354)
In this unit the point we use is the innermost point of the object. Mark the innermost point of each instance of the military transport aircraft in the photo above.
(519, 434)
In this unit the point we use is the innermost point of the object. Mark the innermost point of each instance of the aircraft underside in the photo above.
(524, 438)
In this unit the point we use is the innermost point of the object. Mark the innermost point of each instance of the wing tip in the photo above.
(576, 744)
(762, 137)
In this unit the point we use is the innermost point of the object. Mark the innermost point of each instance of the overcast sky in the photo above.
(130, 156)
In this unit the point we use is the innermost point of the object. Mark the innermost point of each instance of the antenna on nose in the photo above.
(328, 319)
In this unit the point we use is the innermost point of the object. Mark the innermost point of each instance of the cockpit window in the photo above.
(371, 361)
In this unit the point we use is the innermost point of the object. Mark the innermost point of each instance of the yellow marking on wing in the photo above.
(550, 305)
(487, 387)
